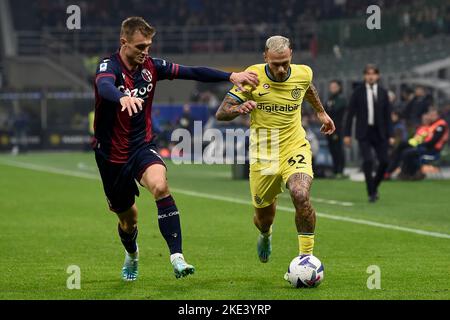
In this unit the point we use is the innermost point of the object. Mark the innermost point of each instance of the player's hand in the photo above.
(240, 79)
(131, 104)
(328, 126)
(348, 141)
(246, 107)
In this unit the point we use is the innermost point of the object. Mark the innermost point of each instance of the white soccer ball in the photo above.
(306, 271)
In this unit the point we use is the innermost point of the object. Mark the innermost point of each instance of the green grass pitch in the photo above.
(51, 220)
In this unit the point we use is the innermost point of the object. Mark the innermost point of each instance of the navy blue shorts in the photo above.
(119, 178)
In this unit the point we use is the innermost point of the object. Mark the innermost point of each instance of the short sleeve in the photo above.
(237, 94)
(166, 69)
(106, 68)
(309, 72)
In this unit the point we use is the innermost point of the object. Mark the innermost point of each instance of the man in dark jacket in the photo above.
(418, 106)
(371, 107)
(335, 106)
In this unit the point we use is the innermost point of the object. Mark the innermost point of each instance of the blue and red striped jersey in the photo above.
(117, 135)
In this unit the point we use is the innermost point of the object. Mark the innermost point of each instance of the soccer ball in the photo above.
(305, 271)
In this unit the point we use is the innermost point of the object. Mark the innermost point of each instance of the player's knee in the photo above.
(301, 198)
(263, 220)
(128, 225)
(159, 189)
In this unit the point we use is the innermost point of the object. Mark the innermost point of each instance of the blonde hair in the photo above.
(132, 24)
(278, 44)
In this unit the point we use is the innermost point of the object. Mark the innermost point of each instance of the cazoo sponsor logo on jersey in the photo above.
(141, 92)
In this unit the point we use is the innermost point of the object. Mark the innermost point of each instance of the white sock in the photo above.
(176, 255)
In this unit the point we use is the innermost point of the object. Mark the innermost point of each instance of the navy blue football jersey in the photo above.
(117, 135)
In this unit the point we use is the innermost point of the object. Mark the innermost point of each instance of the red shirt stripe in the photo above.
(103, 75)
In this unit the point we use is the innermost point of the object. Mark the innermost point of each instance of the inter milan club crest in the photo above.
(266, 86)
(296, 93)
(146, 75)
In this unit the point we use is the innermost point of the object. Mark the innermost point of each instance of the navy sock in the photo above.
(169, 223)
(128, 239)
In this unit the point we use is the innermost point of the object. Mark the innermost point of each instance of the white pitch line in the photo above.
(77, 174)
(319, 214)
(36, 167)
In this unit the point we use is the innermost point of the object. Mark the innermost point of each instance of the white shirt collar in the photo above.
(375, 86)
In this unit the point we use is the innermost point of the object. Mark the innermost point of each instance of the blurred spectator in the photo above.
(335, 106)
(434, 140)
(417, 107)
(211, 101)
(90, 65)
(406, 96)
(185, 121)
(162, 132)
(418, 138)
(393, 100)
(399, 127)
(79, 122)
(337, 52)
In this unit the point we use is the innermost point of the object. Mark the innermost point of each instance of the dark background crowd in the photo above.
(436, 14)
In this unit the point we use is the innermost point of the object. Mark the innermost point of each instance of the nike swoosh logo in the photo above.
(263, 94)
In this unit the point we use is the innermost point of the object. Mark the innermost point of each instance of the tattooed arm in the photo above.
(231, 108)
(312, 96)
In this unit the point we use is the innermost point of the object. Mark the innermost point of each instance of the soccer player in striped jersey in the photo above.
(124, 150)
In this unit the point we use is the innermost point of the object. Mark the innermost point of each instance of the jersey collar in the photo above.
(124, 67)
(269, 75)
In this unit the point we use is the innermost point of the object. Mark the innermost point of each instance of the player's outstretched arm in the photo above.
(231, 108)
(312, 96)
(107, 89)
(240, 79)
(205, 74)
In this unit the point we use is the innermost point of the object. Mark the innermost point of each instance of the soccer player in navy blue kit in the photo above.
(124, 88)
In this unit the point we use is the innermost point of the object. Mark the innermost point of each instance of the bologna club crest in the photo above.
(146, 75)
